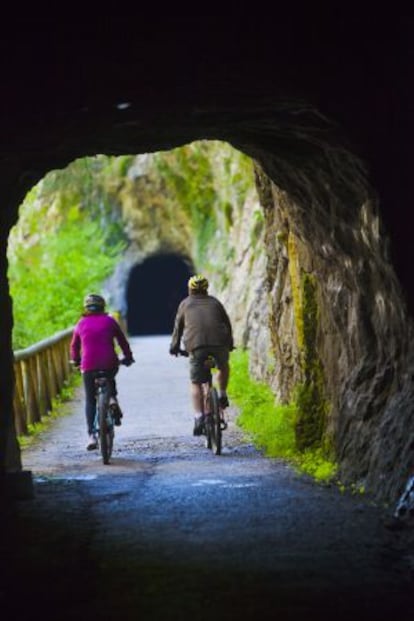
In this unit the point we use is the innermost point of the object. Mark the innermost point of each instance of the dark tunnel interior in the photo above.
(155, 288)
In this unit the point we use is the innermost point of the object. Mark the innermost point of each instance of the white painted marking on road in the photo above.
(241, 485)
(68, 477)
(222, 483)
(209, 482)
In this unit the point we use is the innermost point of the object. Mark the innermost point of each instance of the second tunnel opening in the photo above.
(154, 290)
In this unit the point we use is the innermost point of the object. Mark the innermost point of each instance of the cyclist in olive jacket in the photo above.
(205, 327)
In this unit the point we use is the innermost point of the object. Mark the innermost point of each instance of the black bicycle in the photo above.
(106, 412)
(213, 413)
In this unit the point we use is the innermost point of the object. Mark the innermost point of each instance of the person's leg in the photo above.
(90, 405)
(197, 398)
(198, 407)
(197, 376)
(223, 375)
(112, 383)
(116, 410)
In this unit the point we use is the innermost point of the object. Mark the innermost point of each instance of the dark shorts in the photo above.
(198, 371)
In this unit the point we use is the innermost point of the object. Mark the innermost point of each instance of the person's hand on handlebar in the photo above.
(176, 351)
(127, 361)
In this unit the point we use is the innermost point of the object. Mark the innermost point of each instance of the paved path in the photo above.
(170, 531)
(154, 396)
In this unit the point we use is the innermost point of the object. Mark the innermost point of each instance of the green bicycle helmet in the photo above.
(198, 284)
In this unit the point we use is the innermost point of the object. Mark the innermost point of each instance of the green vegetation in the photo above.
(70, 232)
(57, 253)
(309, 398)
(209, 181)
(258, 226)
(188, 176)
(272, 426)
(312, 405)
(49, 280)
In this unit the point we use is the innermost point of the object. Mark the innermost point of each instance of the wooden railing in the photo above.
(41, 372)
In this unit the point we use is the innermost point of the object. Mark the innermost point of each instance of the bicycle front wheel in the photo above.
(106, 430)
(215, 423)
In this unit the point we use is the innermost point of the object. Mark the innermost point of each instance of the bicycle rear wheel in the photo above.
(215, 423)
(106, 430)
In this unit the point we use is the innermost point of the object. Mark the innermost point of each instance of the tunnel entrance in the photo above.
(155, 288)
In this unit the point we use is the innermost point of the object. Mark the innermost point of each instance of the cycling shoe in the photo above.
(92, 444)
(198, 426)
(224, 402)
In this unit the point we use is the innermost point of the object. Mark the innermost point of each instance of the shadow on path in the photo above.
(171, 532)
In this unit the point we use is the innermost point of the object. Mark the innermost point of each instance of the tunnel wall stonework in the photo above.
(335, 191)
(363, 332)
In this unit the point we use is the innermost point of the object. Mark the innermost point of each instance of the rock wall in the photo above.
(317, 302)
(340, 330)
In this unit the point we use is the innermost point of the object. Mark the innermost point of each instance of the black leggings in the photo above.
(90, 401)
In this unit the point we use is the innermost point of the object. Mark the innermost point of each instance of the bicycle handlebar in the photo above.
(124, 361)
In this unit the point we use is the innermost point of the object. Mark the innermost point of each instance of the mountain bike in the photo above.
(105, 414)
(214, 420)
(104, 422)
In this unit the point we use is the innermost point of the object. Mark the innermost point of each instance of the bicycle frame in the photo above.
(104, 423)
(213, 421)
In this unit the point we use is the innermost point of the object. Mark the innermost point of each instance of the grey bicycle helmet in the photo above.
(94, 303)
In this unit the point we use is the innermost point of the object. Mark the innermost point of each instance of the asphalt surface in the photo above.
(170, 531)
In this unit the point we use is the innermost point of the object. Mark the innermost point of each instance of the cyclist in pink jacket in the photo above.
(92, 349)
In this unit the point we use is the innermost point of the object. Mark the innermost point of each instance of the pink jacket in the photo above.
(93, 342)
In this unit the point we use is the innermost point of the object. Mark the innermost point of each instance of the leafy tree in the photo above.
(48, 281)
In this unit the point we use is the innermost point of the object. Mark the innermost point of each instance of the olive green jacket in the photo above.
(201, 320)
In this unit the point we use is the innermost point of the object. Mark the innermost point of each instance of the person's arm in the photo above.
(177, 331)
(75, 348)
(227, 323)
(123, 343)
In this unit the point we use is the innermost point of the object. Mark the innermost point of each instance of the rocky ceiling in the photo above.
(304, 80)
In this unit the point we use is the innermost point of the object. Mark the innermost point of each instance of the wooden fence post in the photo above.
(19, 402)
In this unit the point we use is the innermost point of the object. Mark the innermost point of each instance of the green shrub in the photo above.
(272, 426)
